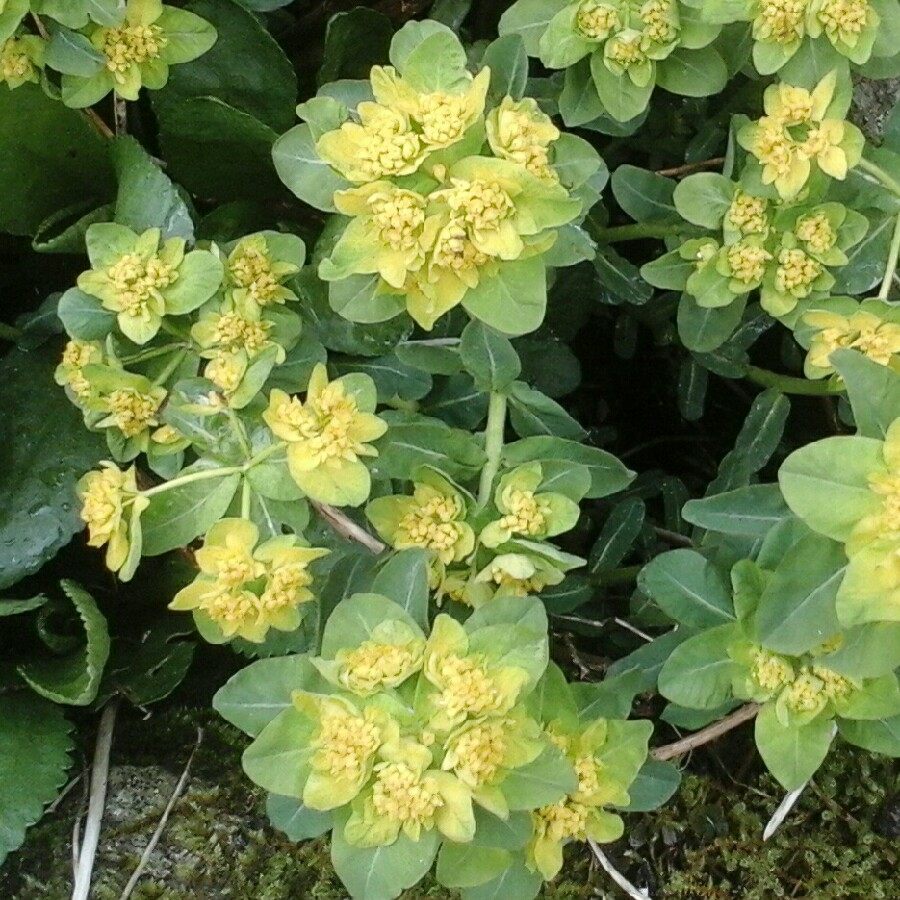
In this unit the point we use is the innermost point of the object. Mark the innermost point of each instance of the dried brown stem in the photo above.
(347, 528)
(708, 734)
(98, 123)
(687, 168)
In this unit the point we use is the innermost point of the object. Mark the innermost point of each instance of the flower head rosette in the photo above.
(124, 403)
(618, 49)
(111, 505)
(142, 278)
(381, 657)
(517, 130)
(782, 249)
(257, 267)
(607, 755)
(467, 678)
(433, 518)
(327, 434)
(70, 371)
(137, 52)
(842, 323)
(802, 127)
(243, 589)
(519, 569)
(21, 60)
(526, 511)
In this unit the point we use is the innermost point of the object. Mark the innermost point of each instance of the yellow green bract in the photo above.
(244, 589)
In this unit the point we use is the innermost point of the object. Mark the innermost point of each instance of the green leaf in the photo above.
(669, 272)
(865, 266)
(355, 619)
(278, 760)
(147, 198)
(703, 328)
(746, 512)
(466, 865)
(619, 532)
(74, 679)
(608, 474)
(644, 195)
(533, 413)
(404, 579)
(796, 611)
(545, 780)
(354, 42)
(511, 833)
(489, 357)
(57, 161)
(176, 516)
(529, 19)
(414, 440)
(875, 735)
(792, 753)
(84, 317)
(867, 651)
(73, 54)
(517, 881)
(758, 439)
(9, 607)
(698, 673)
(34, 758)
(873, 390)
(264, 85)
(392, 376)
(255, 695)
(648, 659)
(298, 822)
(704, 198)
(236, 149)
(508, 62)
(620, 278)
(514, 300)
(622, 99)
(688, 588)
(827, 483)
(382, 873)
(655, 784)
(45, 449)
(578, 102)
(693, 73)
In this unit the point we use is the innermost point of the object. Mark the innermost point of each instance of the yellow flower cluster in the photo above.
(861, 330)
(130, 45)
(797, 131)
(20, 60)
(243, 589)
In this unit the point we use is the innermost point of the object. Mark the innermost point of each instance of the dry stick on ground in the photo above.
(348, 528)
(708, 734)
(154, 840)
(687, 168)
(634, 892)
(99, 779)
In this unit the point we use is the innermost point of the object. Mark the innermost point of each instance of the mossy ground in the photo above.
(705, 844)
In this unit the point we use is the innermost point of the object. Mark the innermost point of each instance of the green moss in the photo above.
(705, 844)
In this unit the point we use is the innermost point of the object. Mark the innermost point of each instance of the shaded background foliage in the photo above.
(617, 367)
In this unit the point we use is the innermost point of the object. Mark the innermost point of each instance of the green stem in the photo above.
(891, 266)
(246, 494)
(877, 172)
(144, 355)
(176, 360)
(203, 475)
(264, 454)
(8, 333)
(493, 446)
(637, 231)
(790, 385)
(623, 575)
(239, 432)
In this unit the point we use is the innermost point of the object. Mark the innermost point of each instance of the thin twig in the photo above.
(76, 845)
(99, 780)
(708, 734)
(154, 840)
(673, 537)
(41, 30)
(98, 123)
(635, 893)
(347, 528)
(622, 623)
(62, 795)
(687, 168)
